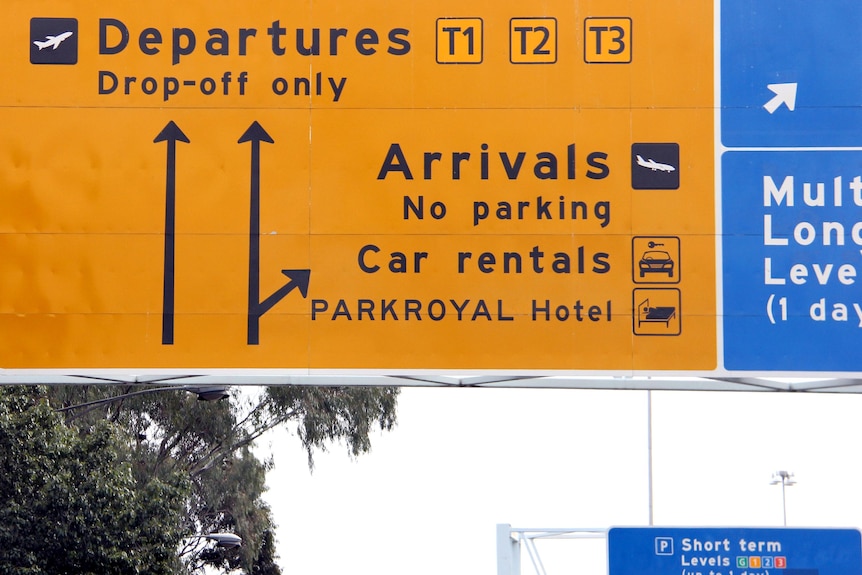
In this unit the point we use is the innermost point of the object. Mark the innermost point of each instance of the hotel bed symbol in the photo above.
(656, 311)
(656, 260)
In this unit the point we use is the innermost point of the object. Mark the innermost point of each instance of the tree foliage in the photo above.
(190, 461)
(69, 502)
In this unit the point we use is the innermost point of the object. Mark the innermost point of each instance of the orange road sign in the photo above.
(338, 186)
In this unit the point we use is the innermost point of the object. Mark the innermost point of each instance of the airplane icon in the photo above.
(52, 41)
(653, 165)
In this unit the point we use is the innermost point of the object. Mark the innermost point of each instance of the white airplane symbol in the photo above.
(52, 40)
(653, 165)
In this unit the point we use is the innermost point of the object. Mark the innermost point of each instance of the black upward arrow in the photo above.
(170, 134)
(297, 278)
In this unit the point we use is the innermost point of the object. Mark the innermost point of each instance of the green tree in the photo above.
(209, 444)
(69, 502)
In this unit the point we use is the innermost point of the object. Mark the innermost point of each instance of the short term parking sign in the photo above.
(733, 551)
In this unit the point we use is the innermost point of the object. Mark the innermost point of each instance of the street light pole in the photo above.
(784, 478)
(649, 454)
(204, 393)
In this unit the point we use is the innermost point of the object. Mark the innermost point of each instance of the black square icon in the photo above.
(53, 41)
(655, 166)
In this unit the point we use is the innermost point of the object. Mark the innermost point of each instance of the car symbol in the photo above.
(656, 261)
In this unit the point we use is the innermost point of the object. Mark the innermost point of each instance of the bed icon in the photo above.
(649, 313)
(656, 311)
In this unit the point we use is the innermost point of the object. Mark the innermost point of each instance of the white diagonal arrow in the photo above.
(784, 94)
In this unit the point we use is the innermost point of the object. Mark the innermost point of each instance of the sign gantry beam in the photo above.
(489, 382)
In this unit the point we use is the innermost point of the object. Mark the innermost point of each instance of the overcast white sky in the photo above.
(428, 497)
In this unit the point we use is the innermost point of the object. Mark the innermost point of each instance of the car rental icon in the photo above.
(656, 262)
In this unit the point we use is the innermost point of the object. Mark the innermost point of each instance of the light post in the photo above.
(204, 393)
(649, 454)
(194, 545)
(784, 478)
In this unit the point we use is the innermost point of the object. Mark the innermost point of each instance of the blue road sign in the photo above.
(733, 551)
(791, 190)
(792, 260)
(790, 73)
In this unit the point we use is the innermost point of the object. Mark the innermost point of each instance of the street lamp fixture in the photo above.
(196, 545)
(784, 478)
(209, 392)
(227, 540)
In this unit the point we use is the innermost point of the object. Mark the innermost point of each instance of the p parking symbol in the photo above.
(664, 546)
